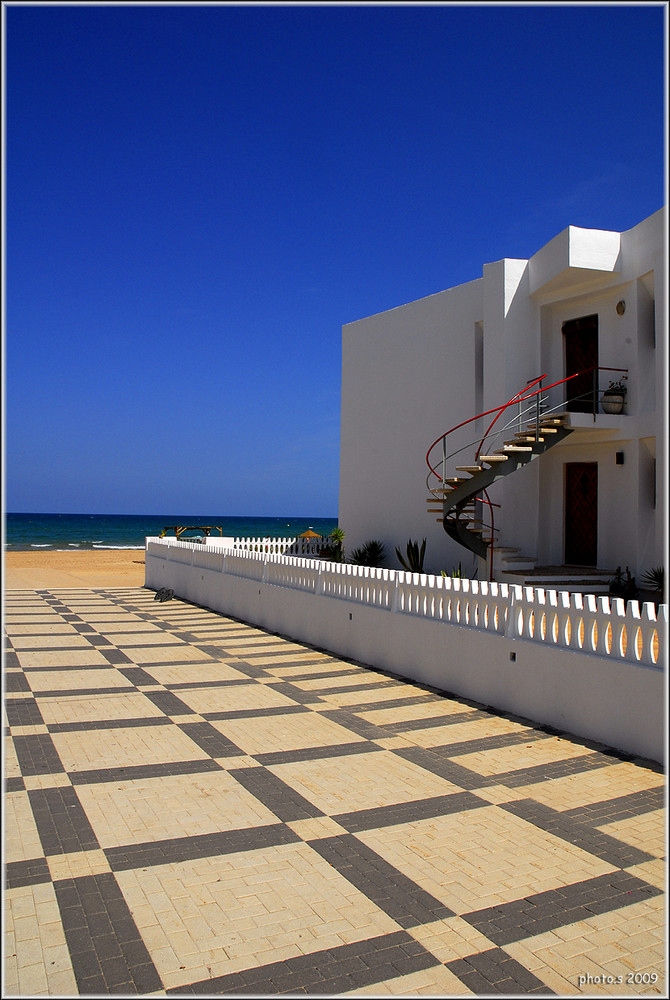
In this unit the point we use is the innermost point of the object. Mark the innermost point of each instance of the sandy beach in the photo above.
(91, 568)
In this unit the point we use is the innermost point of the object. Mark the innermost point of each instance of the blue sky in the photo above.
(199, 197)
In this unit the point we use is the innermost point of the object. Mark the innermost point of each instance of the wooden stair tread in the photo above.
(493, 458)
(468, 468)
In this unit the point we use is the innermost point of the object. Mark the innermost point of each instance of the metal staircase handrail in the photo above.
(518, 397)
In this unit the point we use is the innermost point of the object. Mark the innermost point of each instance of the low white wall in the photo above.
(515, 649)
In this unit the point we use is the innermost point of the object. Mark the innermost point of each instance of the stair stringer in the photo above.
(458, 498)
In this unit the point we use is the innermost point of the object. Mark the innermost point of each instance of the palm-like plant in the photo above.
(654, 579)
(372, 553)
(334, 549)
(413, 558)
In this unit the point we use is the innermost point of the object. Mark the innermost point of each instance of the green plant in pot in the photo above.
(614, 397)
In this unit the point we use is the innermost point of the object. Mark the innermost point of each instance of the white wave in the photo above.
(40, 545)
(138, 548)
(74, 544)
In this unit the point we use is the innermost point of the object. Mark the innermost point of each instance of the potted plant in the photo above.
(615, 396)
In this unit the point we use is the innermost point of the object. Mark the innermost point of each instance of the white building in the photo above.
(589, 301)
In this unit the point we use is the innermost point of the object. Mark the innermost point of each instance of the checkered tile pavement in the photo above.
(195, 805)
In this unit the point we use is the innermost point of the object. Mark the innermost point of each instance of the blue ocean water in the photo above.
(67, 532)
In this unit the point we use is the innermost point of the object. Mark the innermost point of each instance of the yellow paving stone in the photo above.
(522, 755)
(33, 980)
(393, 742)
(361, 781)
(22, 841)
(461, 855)
(646, 831)
(288, 732)
(195, 673)
(37, 730)
(61, 983)
(12, 769)
(127, 641)
(347, 680)
(580, 789)
(183, 653)
(127, 812)
(319, 880)
(75, 680)
(371, 695)
(436, 981)
(62, 866)
(238, 697)
(317, 828)
(62, 642)
(450, 938)
(124, 746)
(60, 658)
(495, 794)
(438, 706)
(54, 628)
(59, 780)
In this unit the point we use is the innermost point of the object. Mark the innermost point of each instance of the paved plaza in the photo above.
(197, 806)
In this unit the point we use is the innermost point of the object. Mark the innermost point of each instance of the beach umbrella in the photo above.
(310, 534)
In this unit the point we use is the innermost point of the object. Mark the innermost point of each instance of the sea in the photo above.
(69, 532)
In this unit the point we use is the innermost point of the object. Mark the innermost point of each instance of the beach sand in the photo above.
(91, 568)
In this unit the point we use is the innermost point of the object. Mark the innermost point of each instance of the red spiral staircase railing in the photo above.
(459, 496)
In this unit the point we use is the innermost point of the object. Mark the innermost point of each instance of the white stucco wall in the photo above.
(604, 697)
(411, 373)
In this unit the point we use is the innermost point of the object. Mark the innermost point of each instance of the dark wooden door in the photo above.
(581, 513)
(581, 354)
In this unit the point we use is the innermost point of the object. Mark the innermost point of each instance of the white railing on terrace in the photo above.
(270, 546)
(598, 625)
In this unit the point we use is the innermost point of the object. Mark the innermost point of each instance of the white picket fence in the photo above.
(597, 625)
(268, 545)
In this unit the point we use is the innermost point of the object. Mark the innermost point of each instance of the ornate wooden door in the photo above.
(581, 353)
(581, 513)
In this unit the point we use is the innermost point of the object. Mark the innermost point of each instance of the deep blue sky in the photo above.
(197, 198)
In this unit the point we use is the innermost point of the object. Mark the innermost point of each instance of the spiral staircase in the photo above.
(533, 426)
(460, 499)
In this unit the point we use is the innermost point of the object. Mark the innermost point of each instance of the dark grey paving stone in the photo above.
(23, 712)
(37, 755)
(587, 838)
(488, 743)
(135, 772)
(316, 753)
(408, 812)
(168, 703)
(287, 804)
(620, 808)
(552, 769)
(520, 919)
(253, 713)
(102, 724)
(61, 821)
(178, 849)
(398, 896)
(136, 676)
(327, 972)
(444, 767)
(19, 873)
(504, 974)
(115, 656)
(16, 682)
(102, 962)
(210, 739)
